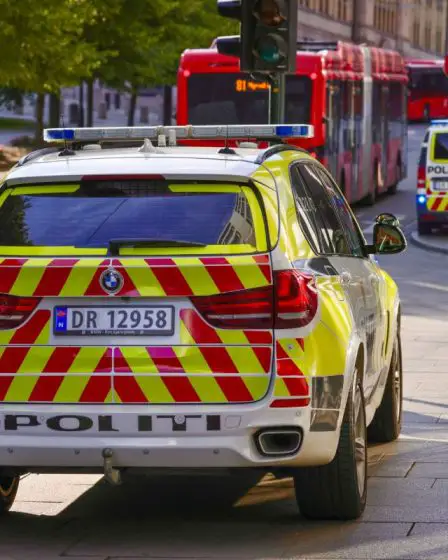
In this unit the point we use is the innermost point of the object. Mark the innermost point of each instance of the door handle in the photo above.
(346, 277)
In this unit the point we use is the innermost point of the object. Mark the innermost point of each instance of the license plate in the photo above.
(439, 186)
(114, 321)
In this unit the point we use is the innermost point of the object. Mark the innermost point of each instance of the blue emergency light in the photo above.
(209, 132)
(436, 122)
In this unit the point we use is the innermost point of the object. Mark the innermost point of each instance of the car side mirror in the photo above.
(388, 239)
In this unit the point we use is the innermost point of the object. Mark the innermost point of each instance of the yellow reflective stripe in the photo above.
(144, 278)
(21, 388)
(232, 337)
(53, 251)
(211, 188)
(207, 389)
(196, 276)
(86, 360)
(29, 277)
(249, 273)
(80, 277)
(245, 359)
(36, 360)
(5, 337)
(138, 359)
(257, 386)
(191, 359)
(168, 251)
(71, 389)
(54, 189)
(280, 389)
(154, 389)
(4, 196)
(296, 352)
(110, 397)
(44, 336)
(185, 336)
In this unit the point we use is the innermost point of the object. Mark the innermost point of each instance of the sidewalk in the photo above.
(437, 242)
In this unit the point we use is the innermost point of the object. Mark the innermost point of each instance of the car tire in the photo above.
(339, 490)
(424, 229)
(8, 491)
(386, 424)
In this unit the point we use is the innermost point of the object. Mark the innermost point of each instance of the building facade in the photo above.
(417, 28)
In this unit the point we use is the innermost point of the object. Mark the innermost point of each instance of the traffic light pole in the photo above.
(277, 98)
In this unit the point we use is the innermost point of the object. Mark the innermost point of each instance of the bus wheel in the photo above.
(394, 188)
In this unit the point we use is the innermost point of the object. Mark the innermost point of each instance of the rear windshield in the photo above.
(441, 146)
(237, 99)
(87, 217)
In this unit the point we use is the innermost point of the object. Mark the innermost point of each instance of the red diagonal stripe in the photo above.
(262, 259)
(46, 388)
(436, 204)
(165, 359)
(12, 359)
(61, 359)
(281, 354)
(105, 363)
(170, 277)
(264, 356)
(31, 330)
(129, 289)
(96, 389)
(95, 288)
(223, 274)
(9, 271)
(259, 337)
(297, 386)
(181, 389)
(234, 389)
(129, 390)
(301, 343)
(55, 277)
(120, 363)
(287, 367)
(218, 359)
(5, 384)
(201, 332)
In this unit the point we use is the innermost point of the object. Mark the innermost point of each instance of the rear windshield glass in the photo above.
(237, 99)
(91, 215)
(441, 146)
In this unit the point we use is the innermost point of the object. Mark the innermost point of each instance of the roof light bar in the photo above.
(443, 122)
(230, 132)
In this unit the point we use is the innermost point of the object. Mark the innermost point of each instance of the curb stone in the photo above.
(430, 243)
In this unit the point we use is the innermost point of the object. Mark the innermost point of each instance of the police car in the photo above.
(432, 179)
(172, 306)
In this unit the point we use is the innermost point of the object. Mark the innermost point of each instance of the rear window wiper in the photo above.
(116, 244)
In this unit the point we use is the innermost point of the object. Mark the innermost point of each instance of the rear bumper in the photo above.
(32, 446)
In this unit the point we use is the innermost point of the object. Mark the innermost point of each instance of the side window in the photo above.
(345, 216)
(321, 214)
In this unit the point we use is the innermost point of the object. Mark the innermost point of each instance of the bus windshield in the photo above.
(232, 98)
(428, 82)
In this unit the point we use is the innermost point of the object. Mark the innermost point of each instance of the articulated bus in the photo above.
(428, 90)
(354, 96)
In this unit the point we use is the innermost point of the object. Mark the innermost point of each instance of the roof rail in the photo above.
(37, 153)
(273, 150)
(316, 46)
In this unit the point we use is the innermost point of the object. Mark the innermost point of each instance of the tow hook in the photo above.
(111, 474)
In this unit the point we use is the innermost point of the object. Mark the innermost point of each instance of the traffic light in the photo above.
(268, 37)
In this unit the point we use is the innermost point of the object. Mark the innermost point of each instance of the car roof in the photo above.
(197, 162)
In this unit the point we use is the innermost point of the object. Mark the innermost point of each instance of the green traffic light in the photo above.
(270, 49)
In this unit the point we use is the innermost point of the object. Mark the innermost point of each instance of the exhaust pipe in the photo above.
(278, 442)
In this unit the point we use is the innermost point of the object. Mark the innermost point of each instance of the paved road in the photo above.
(80, 517)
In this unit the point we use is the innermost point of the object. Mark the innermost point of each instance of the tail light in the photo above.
(421, 178)
(290, 303)
(15, 310)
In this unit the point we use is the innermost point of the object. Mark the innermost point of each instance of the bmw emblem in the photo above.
(111, 281)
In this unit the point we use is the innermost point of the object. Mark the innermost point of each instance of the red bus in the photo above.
(428, 90)
(355, 97)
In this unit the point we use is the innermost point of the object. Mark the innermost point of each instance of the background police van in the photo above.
(432, 179)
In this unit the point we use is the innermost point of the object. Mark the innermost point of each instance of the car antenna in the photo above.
(66, 151)
(226, 149)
